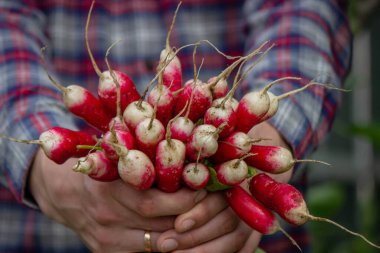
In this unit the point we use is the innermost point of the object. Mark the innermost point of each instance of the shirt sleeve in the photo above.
(312, 40)
(30, 104)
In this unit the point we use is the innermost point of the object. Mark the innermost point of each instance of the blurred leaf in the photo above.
(326, 199)
(258, 250)
(370, 131)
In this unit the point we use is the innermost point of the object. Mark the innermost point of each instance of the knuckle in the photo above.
(230, 223)
(146, 206)
(102, 216)
(102, 239)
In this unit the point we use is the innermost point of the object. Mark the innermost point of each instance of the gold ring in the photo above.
(147, 242)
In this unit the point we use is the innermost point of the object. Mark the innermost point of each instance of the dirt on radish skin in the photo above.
(136, 169)
(196, 175)
(202, 143)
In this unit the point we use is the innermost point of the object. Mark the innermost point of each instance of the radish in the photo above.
(170, 158)
(135, 167)
(203, 142)
(149, 133)
(97, 166)
(137, 112)
(84, 104)
(273, 159)
(274, 100)
(120, 137)
(181, 127)
(254, 106)
(60, 144)
(219, 88)
(196, 93)
(218, 84)
(223, 112)
(165, 106)
(288, 202)
(217, 115)
(170, 63)
(196, 175)
(254, 213)
(107, 90)
(232, 172)
(231, 102)
(202, 99)
(234, 146)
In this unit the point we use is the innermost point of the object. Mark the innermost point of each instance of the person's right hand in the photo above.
(109, 216)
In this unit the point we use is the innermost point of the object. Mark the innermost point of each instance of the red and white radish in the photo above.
(135, 168)
(181, 128)
(196, 175)
(121, 137)
(219, 88)
(203, 142)
(234, 146)
(274, 99)
(170, 63)
(217, 115)
(232, 172)
(82, 103)
(165, 105)
(274, 159)
(170, 158)
(254, 106)
(253, 213)
(107, 89)
(98, 166)
(288, 202)
(137, 112)
(149, 133)
(60, 144)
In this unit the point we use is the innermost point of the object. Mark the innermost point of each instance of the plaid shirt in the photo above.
(312, 40)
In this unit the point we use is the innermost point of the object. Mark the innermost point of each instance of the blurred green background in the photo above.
(349, 191)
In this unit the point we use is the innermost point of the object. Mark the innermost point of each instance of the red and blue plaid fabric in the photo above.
(311, 37)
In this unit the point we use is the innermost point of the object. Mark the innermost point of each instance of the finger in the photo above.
(231, 242)
(224, 222)
(201, 213)
(104, 239)
(106, 211)
(252, 243)
(153, 202)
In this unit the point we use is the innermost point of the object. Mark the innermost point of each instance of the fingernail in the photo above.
(169, 245)
(186, 225)
(200, 195)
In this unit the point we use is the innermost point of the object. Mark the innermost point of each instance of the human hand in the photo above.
(108, 216)
(211, 226)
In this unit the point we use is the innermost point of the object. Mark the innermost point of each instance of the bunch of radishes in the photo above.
(192, 135)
